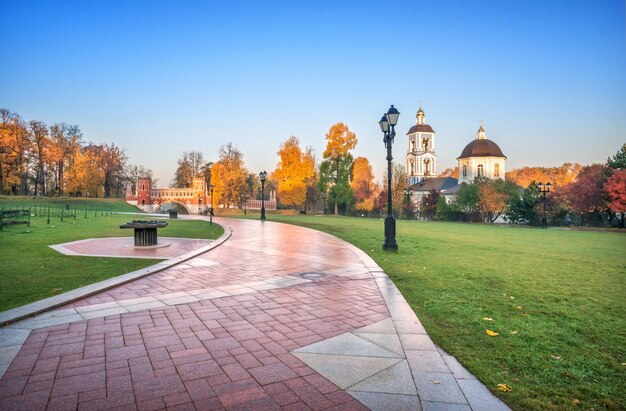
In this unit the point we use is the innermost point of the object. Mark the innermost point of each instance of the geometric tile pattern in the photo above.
(236, 328)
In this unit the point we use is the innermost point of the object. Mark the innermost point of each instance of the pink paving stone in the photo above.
(124, 247)
(272, 373)
(233, 349)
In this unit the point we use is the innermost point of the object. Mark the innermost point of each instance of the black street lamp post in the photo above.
(262, 177)
(544, 192)
(199, 204)
(211, 211)
(387, 126)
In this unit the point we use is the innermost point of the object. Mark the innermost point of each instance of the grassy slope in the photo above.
(561, 291)
(113, 204)
(30, 270)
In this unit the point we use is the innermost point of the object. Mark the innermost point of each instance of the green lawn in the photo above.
(112, 204)
(557, 299)
(30, 270)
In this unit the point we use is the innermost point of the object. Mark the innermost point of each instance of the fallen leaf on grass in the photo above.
(524, 315)
(575, 401)
(518, 307)
(504, 387)
(487, 318)
(513, 332)
(491, 333)
(512, 298)
(56, 289)
(556, 357)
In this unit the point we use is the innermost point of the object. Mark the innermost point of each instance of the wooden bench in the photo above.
(16, 216)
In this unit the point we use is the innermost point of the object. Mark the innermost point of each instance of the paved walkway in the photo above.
(277, 317)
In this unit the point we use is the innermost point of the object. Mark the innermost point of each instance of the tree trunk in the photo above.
(336, 180)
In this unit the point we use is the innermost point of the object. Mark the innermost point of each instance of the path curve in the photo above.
(277, 317)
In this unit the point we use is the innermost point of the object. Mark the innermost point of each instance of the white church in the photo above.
(480, 158)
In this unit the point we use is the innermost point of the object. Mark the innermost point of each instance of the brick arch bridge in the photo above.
(195, 199)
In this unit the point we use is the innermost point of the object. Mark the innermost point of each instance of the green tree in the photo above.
(467, 200)
(335, 181)
(340, 140)
(522, 207)
(618, 161)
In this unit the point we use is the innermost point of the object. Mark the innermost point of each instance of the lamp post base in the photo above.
(390, 243)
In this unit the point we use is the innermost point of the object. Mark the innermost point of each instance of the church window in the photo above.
(427, 167)
(464, 171)
(411, 167)
(425, 144)
(496, 170)
(480, 170)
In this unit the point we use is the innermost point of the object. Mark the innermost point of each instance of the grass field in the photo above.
(557, 299)
(112, 204)
(30, 270)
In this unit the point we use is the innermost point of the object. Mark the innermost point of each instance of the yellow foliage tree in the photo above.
(362, 184)
(340, 140)
(228, 177)
(293, 172)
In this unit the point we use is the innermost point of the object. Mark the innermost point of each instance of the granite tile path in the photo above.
(277, 317)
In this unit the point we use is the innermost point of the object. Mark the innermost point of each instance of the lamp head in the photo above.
(392, 115)
(384, 124)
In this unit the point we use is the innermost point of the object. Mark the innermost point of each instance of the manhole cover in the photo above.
(311, 276)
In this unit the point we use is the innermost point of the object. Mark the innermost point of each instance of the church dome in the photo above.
(482, 147)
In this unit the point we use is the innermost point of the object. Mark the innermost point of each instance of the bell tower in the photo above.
(421, 160)
(143, 191)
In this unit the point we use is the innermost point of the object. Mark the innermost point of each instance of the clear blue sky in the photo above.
(547, 77)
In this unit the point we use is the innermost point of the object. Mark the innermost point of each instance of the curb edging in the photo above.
(37, 307)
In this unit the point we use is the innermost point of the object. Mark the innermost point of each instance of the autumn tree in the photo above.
(14, 150)
(83, 177)
(189, 167)
(450, 172)
(428, 206)
(559, 176)
(586, 195)
(38, 133)
(615, 189)
(339, 141)
(111, 162)
(228, 176)
(398, 179)
(64, 140)
(494, 197)
(293, 172)
(133, 172)
(363, 185)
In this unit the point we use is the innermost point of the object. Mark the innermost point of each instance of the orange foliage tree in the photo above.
(293, 172)
(363, 184)
(228, 176)
(615, 189)
(559, 176)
